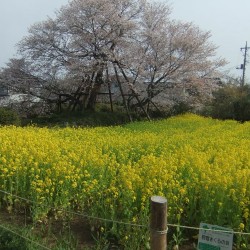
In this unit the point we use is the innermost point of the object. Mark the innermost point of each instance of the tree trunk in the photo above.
(95, 90)
(135, 95)
(123, 97)
(109, 88)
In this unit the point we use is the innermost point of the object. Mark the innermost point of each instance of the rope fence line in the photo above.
(208, 229)
(23, 237)
(125, 223)
(75, 213)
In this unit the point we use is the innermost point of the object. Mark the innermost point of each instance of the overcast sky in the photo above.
(228, 21)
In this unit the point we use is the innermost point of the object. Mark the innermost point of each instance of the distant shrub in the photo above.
(84, 118)
(180, 108)
(9, 117)
(230, 102)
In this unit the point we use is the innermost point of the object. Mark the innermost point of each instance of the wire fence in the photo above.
(104, 220)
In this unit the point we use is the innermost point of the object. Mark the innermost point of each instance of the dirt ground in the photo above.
(52, 231)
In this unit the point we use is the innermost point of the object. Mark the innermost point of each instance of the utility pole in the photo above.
(243, 66)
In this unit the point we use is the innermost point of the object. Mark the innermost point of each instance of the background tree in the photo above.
(133, 43)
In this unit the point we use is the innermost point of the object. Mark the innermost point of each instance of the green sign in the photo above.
(219, 239)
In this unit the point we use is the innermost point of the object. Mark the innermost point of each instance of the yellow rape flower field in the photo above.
(201, 165)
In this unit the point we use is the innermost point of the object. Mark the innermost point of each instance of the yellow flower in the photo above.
(246, 213)
(241, 226)
(74, 184)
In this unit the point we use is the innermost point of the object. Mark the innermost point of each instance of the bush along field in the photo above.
(201, 165)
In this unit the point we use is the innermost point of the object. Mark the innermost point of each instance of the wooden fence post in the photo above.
(158, 223)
